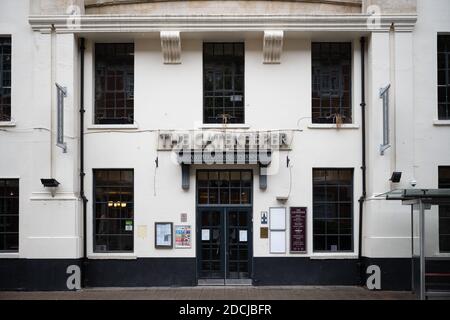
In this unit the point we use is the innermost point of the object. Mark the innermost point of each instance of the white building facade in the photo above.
(211, 142)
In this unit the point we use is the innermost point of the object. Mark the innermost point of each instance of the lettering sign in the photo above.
(298, 229)
(216, 140)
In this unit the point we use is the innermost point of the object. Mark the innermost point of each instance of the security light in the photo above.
(50, 183)
(396, 177)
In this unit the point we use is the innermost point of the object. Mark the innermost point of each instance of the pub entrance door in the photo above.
(224, 229)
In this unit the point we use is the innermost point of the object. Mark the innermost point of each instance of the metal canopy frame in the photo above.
(421, 200)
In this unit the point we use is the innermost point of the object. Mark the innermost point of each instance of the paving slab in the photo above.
(213, 293)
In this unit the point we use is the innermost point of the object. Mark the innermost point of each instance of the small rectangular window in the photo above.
(331, 82)
(223, 83)
(444, 77)
(332, 210)
(114, 83)
(9, 215)
(230, 187)
(444, 212)
(113, 210)
(5, 78)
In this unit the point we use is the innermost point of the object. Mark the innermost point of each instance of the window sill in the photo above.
(7, 124)
(333, 256)
(112, 127)
(9, 255)
(333, 126)
(226, 126)
(441, 123)
(112, 256)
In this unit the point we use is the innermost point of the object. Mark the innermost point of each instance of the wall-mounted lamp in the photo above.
(52, 184)
(396, 177)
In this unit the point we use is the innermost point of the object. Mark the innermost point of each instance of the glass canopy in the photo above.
(430, 196)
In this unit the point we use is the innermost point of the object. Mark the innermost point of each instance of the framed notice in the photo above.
(183, 237)
(277, 218)
(298, 229)
(277, 236)
(163, 235)
(277, 241)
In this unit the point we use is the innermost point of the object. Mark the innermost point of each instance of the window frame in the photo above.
(446, 71)
(94, 218)
(115, 122)
(352, 214)
(219, 203)
(17, 198)
(8, 118)
(351, 88)
(442, 209)
(204, 118)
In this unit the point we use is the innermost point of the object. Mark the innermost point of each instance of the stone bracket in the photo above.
(273, 46)
(171, 47)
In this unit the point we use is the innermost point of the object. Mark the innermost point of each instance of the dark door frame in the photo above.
(224, 226)
(224, 208)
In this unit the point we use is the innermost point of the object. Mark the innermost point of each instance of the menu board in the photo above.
(298, 229)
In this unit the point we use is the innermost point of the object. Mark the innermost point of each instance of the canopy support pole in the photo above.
(422, 249)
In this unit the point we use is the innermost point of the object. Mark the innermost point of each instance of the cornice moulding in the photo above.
(211, 23)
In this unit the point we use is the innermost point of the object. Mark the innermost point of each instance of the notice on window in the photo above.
(242, 235)
(205, 234)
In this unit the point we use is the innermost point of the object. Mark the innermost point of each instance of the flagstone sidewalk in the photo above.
(214, 293)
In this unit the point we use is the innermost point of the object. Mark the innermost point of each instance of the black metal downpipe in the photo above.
(82, 173)
(363, 156)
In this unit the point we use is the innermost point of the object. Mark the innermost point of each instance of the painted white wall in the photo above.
(49, 228)
(431, 147)
(170, 97)
(277, 96)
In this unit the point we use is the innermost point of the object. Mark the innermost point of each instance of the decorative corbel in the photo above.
(171, 47)
(273, 46)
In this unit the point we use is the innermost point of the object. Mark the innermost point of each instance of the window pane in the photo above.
(319, 227)
(5, 80)
(224, 187)
(319, 243)
(444, 243)
(444, 226)
(331, 79)
(223, 78)
(114, 83)
(345, 243)
(114, 217)
(333, 209)
(9, 214)
(444, 212)
(443, 77)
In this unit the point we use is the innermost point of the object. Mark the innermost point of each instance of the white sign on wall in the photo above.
(277, 220)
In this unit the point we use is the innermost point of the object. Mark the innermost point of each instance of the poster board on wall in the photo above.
(183, 237)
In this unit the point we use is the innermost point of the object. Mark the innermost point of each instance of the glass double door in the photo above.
(224, 243)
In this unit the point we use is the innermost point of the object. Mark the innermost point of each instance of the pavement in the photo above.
(213, 293)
